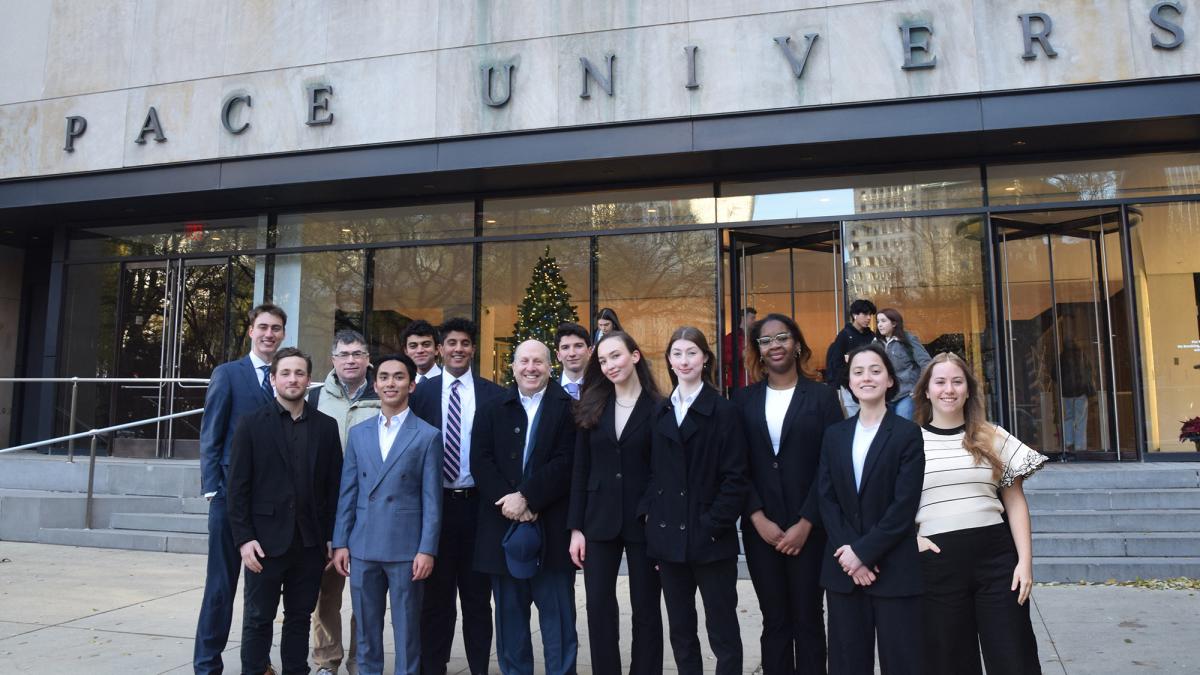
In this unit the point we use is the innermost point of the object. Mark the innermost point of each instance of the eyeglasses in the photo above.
(356, 354)
(781, 339)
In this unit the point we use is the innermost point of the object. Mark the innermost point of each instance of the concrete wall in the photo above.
(406, 70)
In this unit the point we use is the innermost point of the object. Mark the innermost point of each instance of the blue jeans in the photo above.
(1075, 414)
(554, 594)
(903, 407)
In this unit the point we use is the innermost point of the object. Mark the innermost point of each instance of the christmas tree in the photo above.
(547, 303)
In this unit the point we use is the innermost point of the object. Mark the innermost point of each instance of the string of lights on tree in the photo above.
(547, 303)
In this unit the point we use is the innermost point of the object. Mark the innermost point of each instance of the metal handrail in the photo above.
(195, 382)
(95, 434)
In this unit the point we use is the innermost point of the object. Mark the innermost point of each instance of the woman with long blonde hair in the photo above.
(977, 570)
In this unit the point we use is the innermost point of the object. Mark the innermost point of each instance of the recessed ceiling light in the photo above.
(651, 210)
(490, 221)
(1010, 189)
(1018, 143)
(347, 230)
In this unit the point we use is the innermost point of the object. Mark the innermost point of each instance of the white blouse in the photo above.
(778, 401)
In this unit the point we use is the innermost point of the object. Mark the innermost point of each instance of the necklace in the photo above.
(623, 404)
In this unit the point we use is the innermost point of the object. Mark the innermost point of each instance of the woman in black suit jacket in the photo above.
(612, 466)
(869, 486)
(785, 415)
(696, 492)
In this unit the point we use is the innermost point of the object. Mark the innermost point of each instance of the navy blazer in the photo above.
(234, 390)
(878, 520)
(389, 511)
(610, 474)
(426, 399)
(697, 486)
(497, 452)
(783, 486)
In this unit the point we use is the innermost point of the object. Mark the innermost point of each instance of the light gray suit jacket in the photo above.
(389, 511)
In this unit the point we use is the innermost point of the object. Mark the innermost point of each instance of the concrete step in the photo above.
(136, 540)
(1100, 569)
(161, 522)
(114, 475)
(24, 512)
(1113, 476)
(1116, 544)
(1114, 499)
(194, 505)
(1134, 520)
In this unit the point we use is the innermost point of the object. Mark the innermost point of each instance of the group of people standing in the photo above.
(453, 488)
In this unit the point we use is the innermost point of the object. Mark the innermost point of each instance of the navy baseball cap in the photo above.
(523, 549)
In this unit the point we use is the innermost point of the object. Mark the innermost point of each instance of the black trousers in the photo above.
(717, 582)
(600, 569)
(296, 576)
(857, 620)
(454, 574)
(791, 600)
(968, 605)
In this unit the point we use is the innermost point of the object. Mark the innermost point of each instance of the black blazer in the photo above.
(497, 449)
(610, 474)
(783, 486)
(426, 401)
(698, 484)
(878, 521)
(261, 497)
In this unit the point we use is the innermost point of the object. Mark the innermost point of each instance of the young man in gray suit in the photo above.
(389, 518)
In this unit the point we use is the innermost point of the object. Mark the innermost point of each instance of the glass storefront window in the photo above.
(507, 269)
(175, 238)
(1165, 174)
(88, 334)
(599, 211)
(931, 270)
(657, 283)
(322, 293)
(12, 263)
(1166, 279)
(432, 283)
(368, 226)
(849, 195)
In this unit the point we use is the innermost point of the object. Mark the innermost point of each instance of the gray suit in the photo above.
(388, 512)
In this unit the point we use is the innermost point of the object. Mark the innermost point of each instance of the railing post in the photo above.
(71, 420)
(87, 517)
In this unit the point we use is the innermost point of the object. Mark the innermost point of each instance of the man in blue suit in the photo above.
(389, 518)
(235, 389)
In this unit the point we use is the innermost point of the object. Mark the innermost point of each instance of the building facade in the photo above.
(1022, 183)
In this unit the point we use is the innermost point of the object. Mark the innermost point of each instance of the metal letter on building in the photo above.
(606, 83)
(912, 44)
(318, 102)
(1042, 37)
(1176, 31)
(227, 113)
(76, 125)
(692, 82)
(486, 72)
(150, 125)
(798, 62)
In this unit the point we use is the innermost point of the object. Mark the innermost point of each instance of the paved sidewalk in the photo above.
(96, 611)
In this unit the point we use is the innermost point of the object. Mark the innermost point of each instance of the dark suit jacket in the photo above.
(610, 474)
(879, 520)
(698, 484)
(426, 399)
(783, 485)
(497, 450)
(233, 391)
(262, 502)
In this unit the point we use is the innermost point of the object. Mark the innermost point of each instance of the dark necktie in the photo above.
(266, 381)
(453, 458)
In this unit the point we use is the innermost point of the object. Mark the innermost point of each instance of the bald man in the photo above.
(521, 452)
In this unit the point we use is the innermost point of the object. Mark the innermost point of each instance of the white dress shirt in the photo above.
(682, 404)
(778, 401)
(531, 405)
(466, 396)
(434, 371)
(389, 428)
(862, 443)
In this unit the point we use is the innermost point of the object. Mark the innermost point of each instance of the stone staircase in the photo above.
(1095, 522)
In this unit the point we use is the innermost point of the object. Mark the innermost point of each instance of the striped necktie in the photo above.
(266, 381)
(453, 457)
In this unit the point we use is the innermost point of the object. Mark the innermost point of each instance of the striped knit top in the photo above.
(958, 493)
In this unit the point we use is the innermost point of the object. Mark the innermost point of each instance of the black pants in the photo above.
(296, 575)
(600, 570)
(717, 582)
(968, 604)
(857, 620)
(454, 574)
(790, 597)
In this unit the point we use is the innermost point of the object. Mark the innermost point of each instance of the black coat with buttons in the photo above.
(610, 474)
(497, 451)
(697, 487)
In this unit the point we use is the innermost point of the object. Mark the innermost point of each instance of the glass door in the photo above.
(1068, 377)
(794, 270)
